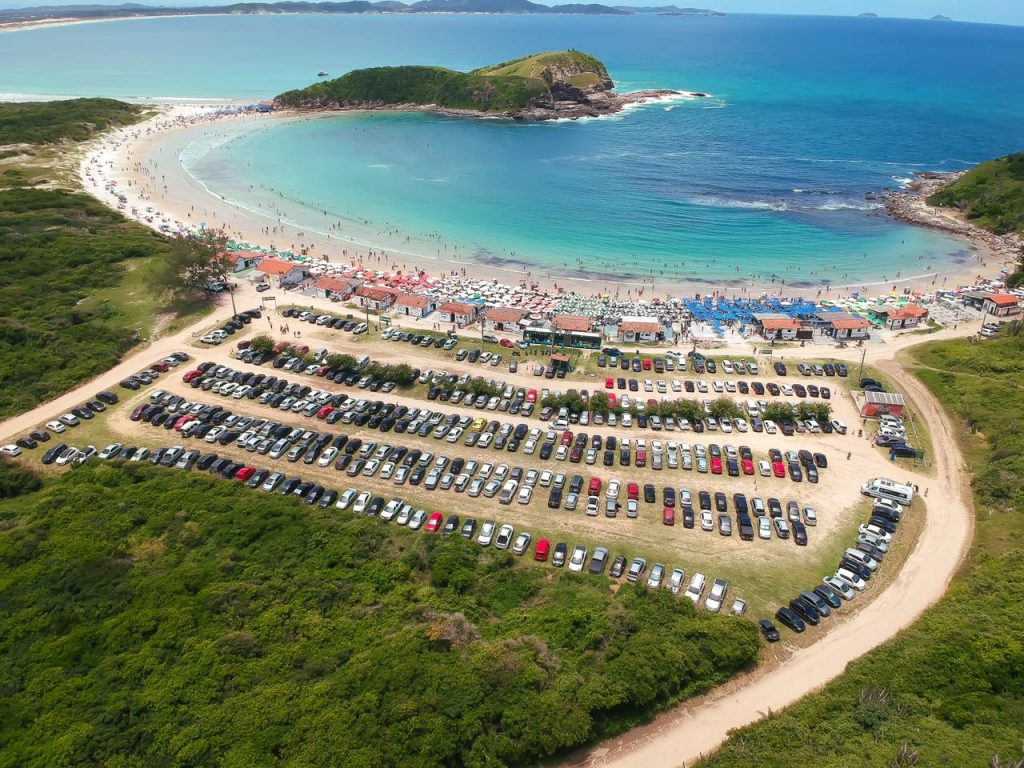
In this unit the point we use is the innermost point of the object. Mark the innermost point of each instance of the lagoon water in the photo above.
(765, 178)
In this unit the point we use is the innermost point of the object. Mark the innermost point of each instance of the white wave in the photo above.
(711, 201)
(903, 181)
(385, 166)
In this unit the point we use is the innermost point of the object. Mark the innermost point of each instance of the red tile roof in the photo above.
(458, 308)
(276, 267)
(409, 300)
(640, 326)
(782, 323)
(374, 294)
(571, 323)
(505, 314)
(1003, 299)
(334, 284)
(910, 310)
(849, 323)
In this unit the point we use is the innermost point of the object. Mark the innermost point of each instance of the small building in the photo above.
(244, 260)
(282, 274)
(843, 325)
(974, 299)
(874, 404)
(412, 305)
(1001, 305)
(776, 327)
(646, 330)
(564, 331)
(336, 288)
(504, 320)
(907, 316)
(461, 313)
(375, 297)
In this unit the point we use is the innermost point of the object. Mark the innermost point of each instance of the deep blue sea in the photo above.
(768, 176)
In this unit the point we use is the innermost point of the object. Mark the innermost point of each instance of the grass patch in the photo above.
(55, 121)
(153, 617)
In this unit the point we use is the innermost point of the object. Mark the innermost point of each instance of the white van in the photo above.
(883, 488)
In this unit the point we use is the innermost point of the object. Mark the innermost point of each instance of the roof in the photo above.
(910, 310)
(505, 314)
(776, 322)
(640, 326)
(236, 256)
(571, 323)
(844, 321)
(1003, 299)
(411, 300)
(458, 308)
(374, 294)
(555, 357)
(335, 284)
(277, 267)
(883, 398)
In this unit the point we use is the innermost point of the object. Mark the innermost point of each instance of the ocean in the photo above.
(767, 179)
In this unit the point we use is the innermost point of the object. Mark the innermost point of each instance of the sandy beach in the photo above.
(142, 164)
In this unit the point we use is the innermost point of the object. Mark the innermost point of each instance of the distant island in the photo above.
(55, 14)
(940, 17)
(868, 15)
(543, 86)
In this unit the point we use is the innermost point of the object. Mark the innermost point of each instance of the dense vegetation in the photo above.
(505, 87)
(949, 690)
(52, 121)
(56, 249)
(991, 194)
(152, 618)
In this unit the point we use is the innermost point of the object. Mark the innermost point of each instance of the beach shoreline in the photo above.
(143, 164)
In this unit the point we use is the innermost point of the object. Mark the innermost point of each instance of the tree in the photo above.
(778, 412)
(193, 262)
(725, 407)
(341, 362)
(262, 344)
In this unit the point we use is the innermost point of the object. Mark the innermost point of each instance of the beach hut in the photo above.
(907, 316)
(413, 305)
(461, 313)
(645, 330)
(282, 274)
(1001, 305)
(774, 325)
(336, 288)
(504, 320)
(377, 298)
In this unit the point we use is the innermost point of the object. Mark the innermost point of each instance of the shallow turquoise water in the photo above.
(767, 177)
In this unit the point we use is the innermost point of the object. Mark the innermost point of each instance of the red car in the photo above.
(191, 376)
(567, 438)
(543, 547)
(609, 383)
(531, 396)
(507, 343)
(748, 466)
(611, 399)
(595, 486)
(182, 421)
(633, 491)
(716, 465)
(641, 458)
(245, 473)
(162, 367)
(324, 412)
(434, 522)
(322, 370)
(646, 363)
(668, 516)
(778, 469)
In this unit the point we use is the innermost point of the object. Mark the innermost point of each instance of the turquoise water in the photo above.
(766, 178)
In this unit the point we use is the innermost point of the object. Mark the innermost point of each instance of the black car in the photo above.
(799, 533)
(788, 618)
(468, 528)
(288, 486)
(26, 442)
(884, 523)
(450, 525)
(852, 565)
(51, 455)
(618, 567)
(771, 634)
(559, 553)
(688, 520)
(830, 597)
(780, 369)
(805, 611)
(107, 397)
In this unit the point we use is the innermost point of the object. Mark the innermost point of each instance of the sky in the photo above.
(988, 11)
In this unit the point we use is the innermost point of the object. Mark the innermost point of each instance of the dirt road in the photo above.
(683, 736)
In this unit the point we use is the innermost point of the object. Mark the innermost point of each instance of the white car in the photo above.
(810, 516)
(675, 581)
(346, 498)
(362, 502)
(579, 557)
(109, 452)
(525, 494)
(707, 520)
(67, 456)
(504, 537)
(14, 450)
(769, 427)
(522, 543)
(404, 515)
(614, 486)
(875, 531)
(839, 426)
(696, 587)
(56, 426)
(656, 576)
(850, 579)
(486, 533)
(416, 521)
(717, 595)
(70, 419)
(764, 528)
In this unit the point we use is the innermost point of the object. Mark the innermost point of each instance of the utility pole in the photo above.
(863, 353)
(231, 292)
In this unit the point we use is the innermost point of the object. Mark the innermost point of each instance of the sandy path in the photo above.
(683, 736)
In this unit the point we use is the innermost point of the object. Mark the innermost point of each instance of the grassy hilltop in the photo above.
(507, 87)
(991, 195)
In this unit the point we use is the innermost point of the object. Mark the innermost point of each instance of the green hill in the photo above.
(508, 87)
(991, 195)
